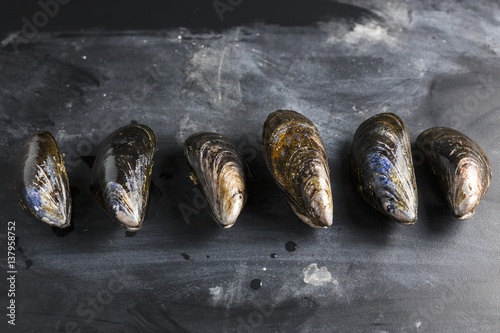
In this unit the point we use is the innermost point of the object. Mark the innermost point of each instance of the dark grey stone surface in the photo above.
(434, 64)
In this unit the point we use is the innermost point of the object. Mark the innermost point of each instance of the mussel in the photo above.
(462, 167)
(294, 153)
(41, 181)
(382, 167)
(221, 172)
(122, 173)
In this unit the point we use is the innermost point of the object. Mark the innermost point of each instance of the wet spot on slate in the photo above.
(273, 255)
(256, 284)
(28, 263)
(208, 257)
(290, 246)
(186, 256)
(89, 160)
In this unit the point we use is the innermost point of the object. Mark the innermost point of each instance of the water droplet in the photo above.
(290, 246)
(273, 255)
(186, 256)
(256, 284)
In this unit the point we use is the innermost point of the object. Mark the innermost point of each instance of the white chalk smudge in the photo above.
(11, 38)
(370, 32)
(188, 126)
(220, 71)
(17, 132)
(317, 276)
(62, 135)
(213, 74)
(362, 34)
(216, 292)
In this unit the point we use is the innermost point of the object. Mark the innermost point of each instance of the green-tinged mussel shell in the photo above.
(41, 181)
(122, 173)
(220, 171)
(382, 167)
(294, 153)
(462, 167)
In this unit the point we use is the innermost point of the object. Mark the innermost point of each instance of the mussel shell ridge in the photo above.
(221, 172)
(296, 158)
(41, 181)
(382, 167)
(121, 174)
(462, 167)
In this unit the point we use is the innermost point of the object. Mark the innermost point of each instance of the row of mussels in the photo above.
(381, 163)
